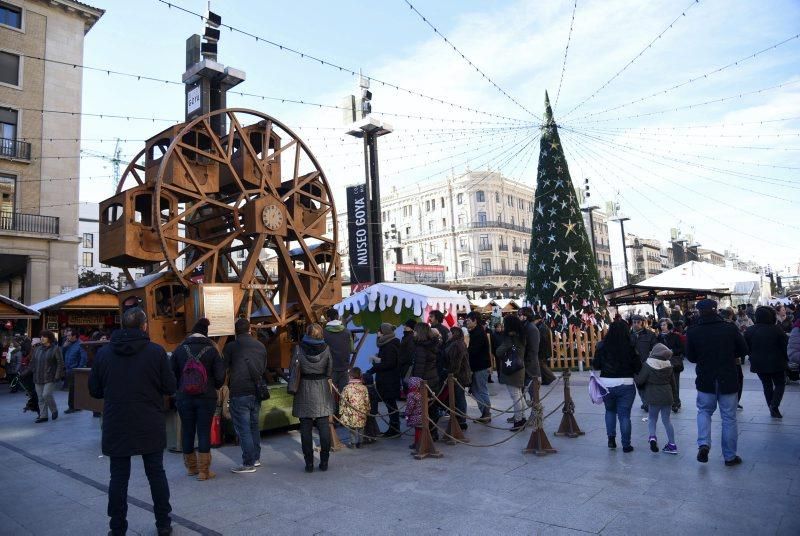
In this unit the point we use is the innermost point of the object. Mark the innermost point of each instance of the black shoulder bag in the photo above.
(262, 389)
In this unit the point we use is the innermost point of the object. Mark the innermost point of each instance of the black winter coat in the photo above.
(387, 372)
(715, 345)
(545, 342)
(406, 358)
(767, 344)
(532, 343)
(643, 342)
(625, 364)
(211, 360)
(478, 349)
(132, 375)
(425, 356)
(236, 354)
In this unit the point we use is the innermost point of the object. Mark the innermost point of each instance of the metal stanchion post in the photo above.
(425, 448)
(569, 426)
(538, 443)
(455, 433)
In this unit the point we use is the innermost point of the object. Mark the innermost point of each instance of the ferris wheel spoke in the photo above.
(247, 146)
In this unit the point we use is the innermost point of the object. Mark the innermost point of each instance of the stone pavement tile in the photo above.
(790, 524)
(794, 488)
(645, 525)
(766, 504)
(385, 521)
(271, 524)
(495, 523)
(628, 501)
(10, 527)
(546, 494)
(568, 516)
(224, 512)
(688, 489)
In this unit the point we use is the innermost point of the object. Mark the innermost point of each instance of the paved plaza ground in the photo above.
(53, 476)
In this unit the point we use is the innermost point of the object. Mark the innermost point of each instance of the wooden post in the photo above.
(336, 443)
(538, 443)
(455, 433)
(569, 426)
(426, 448)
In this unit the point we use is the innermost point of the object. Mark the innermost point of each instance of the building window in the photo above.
(10, 15)
(464, 267)
(521, 203)
(441, 201)
(88, 259)
(8, 131)
(9, 68)
(462, 242)
(503, 265)
(430, 225)
(512, 220)
(408, 251)
(408, 231)
(460, 219)
(8, 191)
(122, 281)
(479, 196)
(428, 205)
(497, 197)
(444, 223)
(484, 242)
(481, 217)
(510, 201)
(88, 240)
(516, 266)
(486, 265)
(460, 199)
(523, 222)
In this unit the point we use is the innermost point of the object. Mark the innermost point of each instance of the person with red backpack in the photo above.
(200, 371)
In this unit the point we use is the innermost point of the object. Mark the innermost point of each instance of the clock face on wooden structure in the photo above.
(272, 217)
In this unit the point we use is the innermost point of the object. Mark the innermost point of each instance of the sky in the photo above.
(660, 104)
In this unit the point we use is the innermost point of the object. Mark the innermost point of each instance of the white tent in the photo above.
(743, 286)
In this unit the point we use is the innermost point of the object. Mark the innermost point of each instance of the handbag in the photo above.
(262, 389)
(513, 362)
(294, 376)
(597, 391)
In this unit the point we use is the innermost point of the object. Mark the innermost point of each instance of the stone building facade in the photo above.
(39, 210)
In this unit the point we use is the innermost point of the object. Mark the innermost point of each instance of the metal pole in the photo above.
(624, 251)
(370, 220)
(591, 226)
(375, 205)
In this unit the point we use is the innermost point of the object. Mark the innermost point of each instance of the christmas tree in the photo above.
(562, 274)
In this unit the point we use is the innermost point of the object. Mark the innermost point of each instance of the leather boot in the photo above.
(190, 461)
(323, 460)
(309, 463)
(204, 465)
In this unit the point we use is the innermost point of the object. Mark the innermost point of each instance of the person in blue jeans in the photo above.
(246, 360)
(618, 363)
(715, 345)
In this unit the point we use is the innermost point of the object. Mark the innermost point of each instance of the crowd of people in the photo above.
(719, 341)
(133, 375)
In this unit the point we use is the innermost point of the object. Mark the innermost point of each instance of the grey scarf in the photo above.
(384, 339)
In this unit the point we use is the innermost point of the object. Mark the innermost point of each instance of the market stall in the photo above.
(15, 317)
(395, 303)
(87, 309)
(741, 286)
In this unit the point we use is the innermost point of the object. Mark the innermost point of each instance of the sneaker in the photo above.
(653, 444)
(41, 419)
(257, 464)
(735, 461)
(702, 454)
(518, 425)
(510, 420)
(243, 469)
(612, 442)
(670, 448)
(629, 448)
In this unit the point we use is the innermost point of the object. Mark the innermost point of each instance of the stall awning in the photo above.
(14, 310)
(97, 297)
(633, 294)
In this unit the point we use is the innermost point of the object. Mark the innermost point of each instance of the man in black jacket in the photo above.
(246, 360)
(532, 339)
(643, 340)
(480, 363)
(132, 375)
(714, 345)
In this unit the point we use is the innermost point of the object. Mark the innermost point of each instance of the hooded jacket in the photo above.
(425, 356)
(236, 355)
(313, 398)
(387, 372)
(204, 347)
(517, 379)
(132, 375)
(478, 349)
(714, 345)
(656, 378)
(340, 342)
(767, 343)
(643, 341)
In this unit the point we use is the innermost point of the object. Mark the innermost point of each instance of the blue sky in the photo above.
(711, 169)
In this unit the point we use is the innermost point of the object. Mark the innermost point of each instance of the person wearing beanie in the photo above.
(659, 391)
(340, 343)
(715, 345)
(200, 371)
(406, 359)
(386, 367)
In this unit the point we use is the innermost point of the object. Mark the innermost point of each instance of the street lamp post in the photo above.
(590, 209)
(622, 220)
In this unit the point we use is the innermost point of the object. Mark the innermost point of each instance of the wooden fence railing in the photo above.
(575, 346)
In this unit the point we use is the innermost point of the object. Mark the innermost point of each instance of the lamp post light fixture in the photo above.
(622, 219)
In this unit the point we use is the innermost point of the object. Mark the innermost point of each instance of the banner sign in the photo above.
(419, 268)
(358, 234)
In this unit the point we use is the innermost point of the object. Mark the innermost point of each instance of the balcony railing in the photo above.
(17, 150)
(484, 247)
(28, 223)
(503, 247)
(516, 249)
(497, 224)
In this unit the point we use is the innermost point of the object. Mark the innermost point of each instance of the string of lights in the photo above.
(703, 76)
(471, 64)
(566, 50)
(639, 55)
